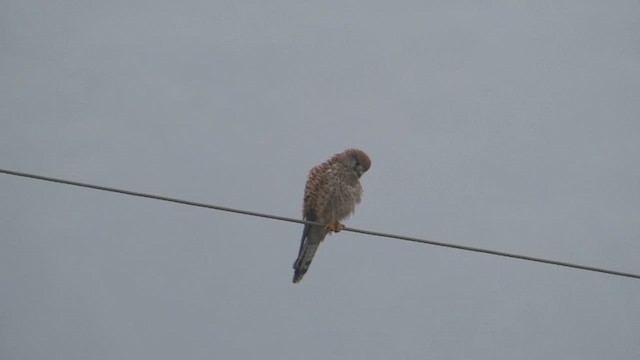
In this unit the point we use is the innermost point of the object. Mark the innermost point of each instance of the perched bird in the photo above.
(332, 192)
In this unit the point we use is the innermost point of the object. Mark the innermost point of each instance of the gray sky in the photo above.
(499, 125)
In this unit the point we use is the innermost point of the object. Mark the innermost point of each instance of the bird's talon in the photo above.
(337, 227)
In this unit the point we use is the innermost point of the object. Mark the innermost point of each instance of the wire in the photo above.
(282, 218)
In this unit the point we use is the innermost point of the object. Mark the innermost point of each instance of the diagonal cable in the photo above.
(282, 218)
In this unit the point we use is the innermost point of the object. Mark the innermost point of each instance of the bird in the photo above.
(331, 194)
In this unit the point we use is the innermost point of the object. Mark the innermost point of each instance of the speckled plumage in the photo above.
(332, 192)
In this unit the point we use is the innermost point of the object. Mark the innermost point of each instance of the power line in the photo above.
(282, 218)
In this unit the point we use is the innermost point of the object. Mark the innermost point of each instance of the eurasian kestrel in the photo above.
(332, 192)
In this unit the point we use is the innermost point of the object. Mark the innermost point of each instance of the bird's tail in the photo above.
(311, 238)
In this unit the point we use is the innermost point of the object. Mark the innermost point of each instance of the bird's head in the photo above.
(358, 161)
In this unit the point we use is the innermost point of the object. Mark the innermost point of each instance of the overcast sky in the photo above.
(499, 125)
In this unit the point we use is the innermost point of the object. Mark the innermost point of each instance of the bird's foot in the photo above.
(337, 227)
